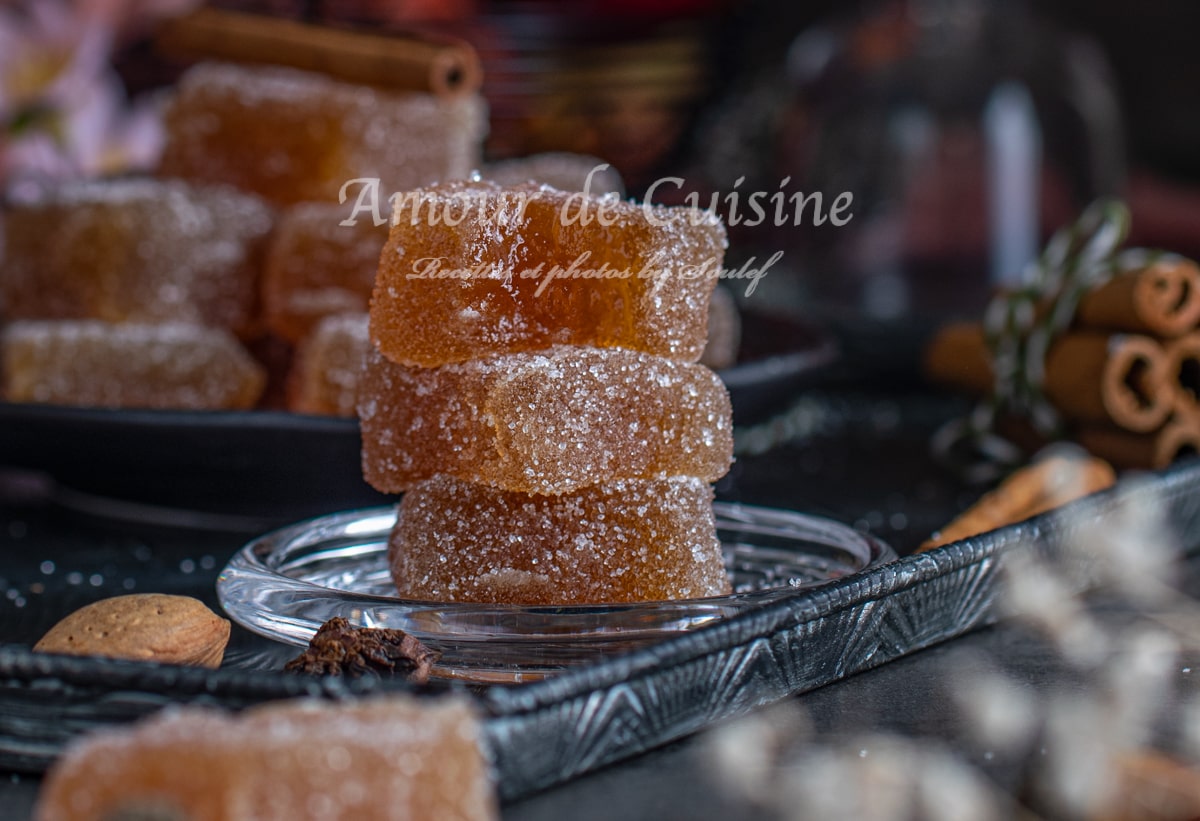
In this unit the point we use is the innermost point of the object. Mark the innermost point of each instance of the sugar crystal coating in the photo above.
(134, 250)
(547, 422)
(294, 136)
(316, 267)
(98, 364)
(329, 366)
(472, 269)
(393, 758)
(624, 541)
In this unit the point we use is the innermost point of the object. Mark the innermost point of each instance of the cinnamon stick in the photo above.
(1044, 485)
(1089, 376)
(1143, 451)
(1183, 370)
(1162, 300)
(958, 358)
(1122, 379)
(446, 67)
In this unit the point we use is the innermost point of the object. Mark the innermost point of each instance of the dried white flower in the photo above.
(1034, 593)
(1002, 715)
(883, 778)
(745, 754)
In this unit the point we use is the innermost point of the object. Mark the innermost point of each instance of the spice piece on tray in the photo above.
(292, 136)
(144, 627)
(623, 541)
(1044, 485)
(471, 269)
(134, 250)
(98, 364)
(546, 422)
(419, 759)
(339, 648)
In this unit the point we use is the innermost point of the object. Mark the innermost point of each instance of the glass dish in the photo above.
(285, 584)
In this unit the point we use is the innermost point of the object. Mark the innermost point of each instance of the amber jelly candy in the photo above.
(317, 267)
(134, 250)
(98, 364)
(623, 541)
(547, 422)
(329, 366)
(472, 269)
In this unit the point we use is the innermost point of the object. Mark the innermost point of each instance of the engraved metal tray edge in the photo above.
(550, 731)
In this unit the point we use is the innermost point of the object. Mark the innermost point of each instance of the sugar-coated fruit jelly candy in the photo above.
(623, 541)
(99, 364)
(378, 758)
(329, 366)
(294, 136)
(472, 269)
(545, 422)
(134, 250)
(317, 267)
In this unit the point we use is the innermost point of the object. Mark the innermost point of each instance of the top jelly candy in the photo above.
(472, 269)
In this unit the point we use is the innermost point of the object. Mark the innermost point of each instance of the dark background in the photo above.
(1151, 45)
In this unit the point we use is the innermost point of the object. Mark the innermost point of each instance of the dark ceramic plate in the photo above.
(250, 470)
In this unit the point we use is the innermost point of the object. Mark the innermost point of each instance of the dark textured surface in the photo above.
(868, 468)
(575, 722)
(912, 696)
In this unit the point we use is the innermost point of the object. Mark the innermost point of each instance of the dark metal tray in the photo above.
(546, 732)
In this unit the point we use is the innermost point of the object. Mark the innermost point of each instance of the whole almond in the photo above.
(145, 627)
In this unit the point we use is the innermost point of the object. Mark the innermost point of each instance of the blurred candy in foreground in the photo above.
(394, 758)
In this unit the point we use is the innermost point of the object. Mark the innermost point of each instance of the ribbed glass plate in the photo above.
(285, 584)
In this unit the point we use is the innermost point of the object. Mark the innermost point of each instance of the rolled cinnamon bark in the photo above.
(444, 67)
(958, 358)
(1121, 380)
(1046, 484)
(1143, 451)
(1162, 299)
(1183, 369)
